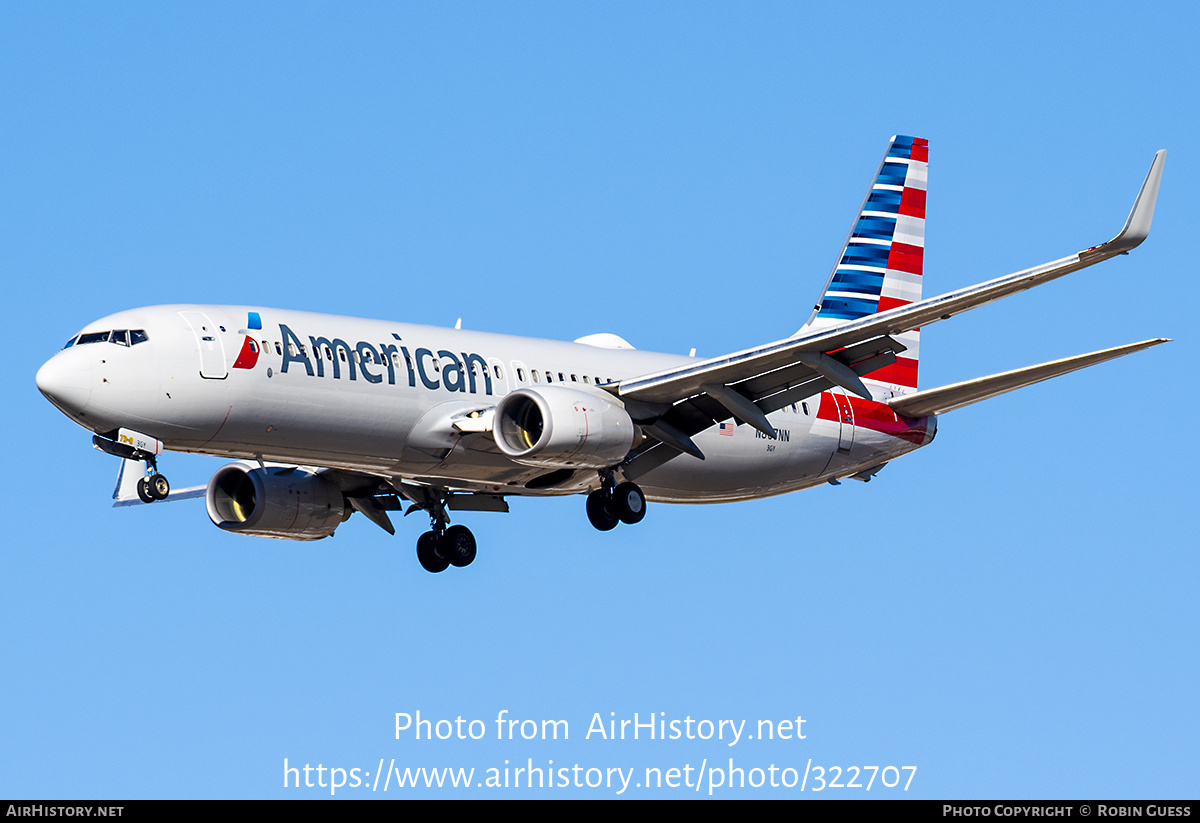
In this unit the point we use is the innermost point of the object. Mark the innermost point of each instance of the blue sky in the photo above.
(1011, 610)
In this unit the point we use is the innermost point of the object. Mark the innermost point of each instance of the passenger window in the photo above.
(329, 354)
(536, 379)
(561, 379)
(805, 407)
(342, 354)
(279, 349)
(573, 380)
(521, 375)
(587, 380)
(499, 374)
(396, 359)
(549, 377)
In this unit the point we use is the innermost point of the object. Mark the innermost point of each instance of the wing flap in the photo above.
(695, 414)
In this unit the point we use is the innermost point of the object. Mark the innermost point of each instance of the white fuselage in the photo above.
(376, 397)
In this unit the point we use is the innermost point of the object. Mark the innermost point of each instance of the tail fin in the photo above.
(881, 262)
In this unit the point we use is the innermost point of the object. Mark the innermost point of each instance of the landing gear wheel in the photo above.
(457, 545)
(629, 503)
(158, 487)
(600, 511)
(427, 553)
(143, 490)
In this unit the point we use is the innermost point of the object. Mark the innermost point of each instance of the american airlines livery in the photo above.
(325, 416)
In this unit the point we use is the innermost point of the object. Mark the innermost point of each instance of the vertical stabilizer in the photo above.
(882, 260)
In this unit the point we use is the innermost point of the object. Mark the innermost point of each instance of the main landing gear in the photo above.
(609, 505)
(441, 547)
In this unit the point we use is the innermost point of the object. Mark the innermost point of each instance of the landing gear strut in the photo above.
(610, 505)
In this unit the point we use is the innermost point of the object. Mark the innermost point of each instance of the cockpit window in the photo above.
(122, 337)
(70, 343)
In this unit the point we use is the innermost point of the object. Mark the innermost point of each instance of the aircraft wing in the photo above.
(748, 384)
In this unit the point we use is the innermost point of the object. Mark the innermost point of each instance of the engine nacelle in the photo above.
(562, 427)
(278, 501)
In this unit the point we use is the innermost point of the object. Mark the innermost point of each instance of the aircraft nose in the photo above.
(66, 384)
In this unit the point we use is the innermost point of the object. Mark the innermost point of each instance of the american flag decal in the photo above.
(728, 428)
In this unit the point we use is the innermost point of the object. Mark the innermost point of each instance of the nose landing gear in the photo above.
(140, 457)
(152, 488)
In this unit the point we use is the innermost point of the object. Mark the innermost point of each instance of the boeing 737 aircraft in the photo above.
(325, 415)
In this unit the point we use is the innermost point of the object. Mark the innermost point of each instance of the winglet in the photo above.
(1137, 226)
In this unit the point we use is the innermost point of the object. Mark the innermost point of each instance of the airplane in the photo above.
(325, 416)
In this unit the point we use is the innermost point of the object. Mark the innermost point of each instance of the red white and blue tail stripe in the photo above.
(881, 263)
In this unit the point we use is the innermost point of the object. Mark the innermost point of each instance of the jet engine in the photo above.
(562, 427)
(277, 501)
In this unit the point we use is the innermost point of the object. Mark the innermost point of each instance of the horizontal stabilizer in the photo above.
(957, 395)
